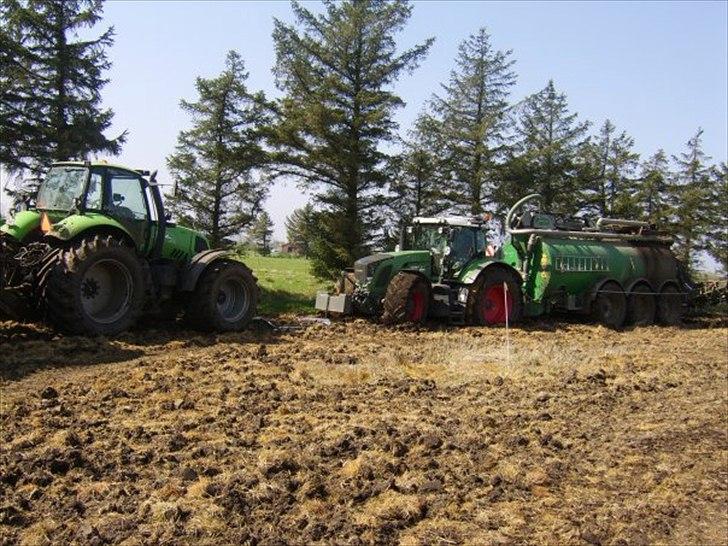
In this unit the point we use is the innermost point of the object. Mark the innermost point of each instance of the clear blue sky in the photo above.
(657, 69)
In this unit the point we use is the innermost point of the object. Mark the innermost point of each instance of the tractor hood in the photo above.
(366, 268)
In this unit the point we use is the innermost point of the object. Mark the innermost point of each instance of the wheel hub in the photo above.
(90, 288)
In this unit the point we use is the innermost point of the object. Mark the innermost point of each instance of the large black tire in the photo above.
(610, 305)
(225, 298)
(96, 287)
(670, 306)
(407, 299)
(641, 306)
(488, 300)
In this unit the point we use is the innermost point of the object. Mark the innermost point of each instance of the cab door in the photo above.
(125, 201)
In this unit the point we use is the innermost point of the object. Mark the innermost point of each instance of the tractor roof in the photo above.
(461, 221)
(102, 163)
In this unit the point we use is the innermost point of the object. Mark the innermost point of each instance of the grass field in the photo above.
(286, 283)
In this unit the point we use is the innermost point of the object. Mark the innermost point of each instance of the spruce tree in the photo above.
(219, 163)
(653, 193)
(692, 200)
(471, 116)
(610, 167)
(337, 70)
(417, 188)
(301, 229)
(545, 158)
(261, 232)
(54, 107)
(717, 234)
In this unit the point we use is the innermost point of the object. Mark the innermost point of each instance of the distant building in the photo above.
(291, 248)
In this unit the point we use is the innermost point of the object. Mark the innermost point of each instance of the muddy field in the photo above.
(356, 434)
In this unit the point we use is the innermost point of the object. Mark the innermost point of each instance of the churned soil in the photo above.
(565, 433)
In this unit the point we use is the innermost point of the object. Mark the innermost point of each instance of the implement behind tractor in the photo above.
(97, 250)
(617, 271)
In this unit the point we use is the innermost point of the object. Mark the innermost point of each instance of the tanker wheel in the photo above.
(641, 306)
(610, 305)
(670, 306)
(407, 299)
(96, 287)
(495, 296)
(225, 299)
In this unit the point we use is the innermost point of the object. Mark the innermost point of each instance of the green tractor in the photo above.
(616, 270)
(97, 250)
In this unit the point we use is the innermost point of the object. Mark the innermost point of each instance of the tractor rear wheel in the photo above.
(610, 305)
(641, 306)
(407, 299)
(495, 296)
(225, 299)
(670, 306)
(95, 287)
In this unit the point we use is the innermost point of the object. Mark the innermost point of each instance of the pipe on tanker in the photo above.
(515, 207)
(594, 235)
(602, 222)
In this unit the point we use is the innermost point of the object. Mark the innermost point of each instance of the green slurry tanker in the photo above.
(618, 271)
(97, 250)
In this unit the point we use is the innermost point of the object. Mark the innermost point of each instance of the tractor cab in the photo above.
(454, 241)
(125, 196)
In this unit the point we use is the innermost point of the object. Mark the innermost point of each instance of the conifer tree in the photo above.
(53, 108)
(301, 228)
(610, 169)
(545, 158)
(692, 200)
(337, 70)
(717, 235)
(471, 116)
(218, 163)
(653, 193)
(417, 188)
(261, 232)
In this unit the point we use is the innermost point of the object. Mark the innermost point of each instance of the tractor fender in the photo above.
(77, 225)
(197, 265)
(472, 276)
(414, 271)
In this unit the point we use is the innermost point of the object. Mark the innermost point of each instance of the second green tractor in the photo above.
(618, 271)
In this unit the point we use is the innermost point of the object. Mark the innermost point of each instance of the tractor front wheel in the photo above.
(225, 299)
(495, 297)
(407, 299)
(95, 287)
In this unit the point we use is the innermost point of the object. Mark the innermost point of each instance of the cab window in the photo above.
(480, 242)
(93, 195)
(125, 196)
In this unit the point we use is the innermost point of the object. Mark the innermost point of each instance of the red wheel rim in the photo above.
(417, 306)
(493, 307)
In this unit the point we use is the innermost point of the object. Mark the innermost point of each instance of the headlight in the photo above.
(463, 294)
